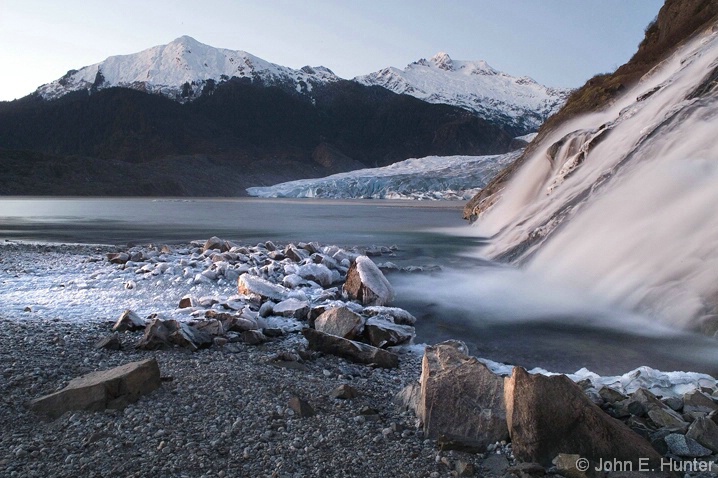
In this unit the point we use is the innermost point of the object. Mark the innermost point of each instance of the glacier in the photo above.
(428, 178)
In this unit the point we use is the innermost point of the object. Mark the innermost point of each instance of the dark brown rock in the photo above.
(548, 415)
(704, 431)
(350, 350)
(114, 388)
(461, 402)
(381, 332)
(698, 402)
(253, 337)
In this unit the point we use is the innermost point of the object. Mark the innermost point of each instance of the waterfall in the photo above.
(623, 204)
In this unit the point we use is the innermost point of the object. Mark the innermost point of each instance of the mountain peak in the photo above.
(442, 60)
(181, 69)
(474, 86)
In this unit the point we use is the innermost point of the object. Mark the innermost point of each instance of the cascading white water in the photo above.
(625, 206)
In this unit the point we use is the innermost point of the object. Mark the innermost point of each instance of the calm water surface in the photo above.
(415, 227)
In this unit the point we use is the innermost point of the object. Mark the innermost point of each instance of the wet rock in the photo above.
(111, 342)
(114, 388)
(316, 272)
(294, 308)
(350, 350)
(686, 447)
(254, 285)
(548, 415)
(704, 431)
(461, 401)
(366, 283)
(129, 321)
(382, 332)
(339, 321)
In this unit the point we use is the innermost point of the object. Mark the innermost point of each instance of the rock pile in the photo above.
(550, 420)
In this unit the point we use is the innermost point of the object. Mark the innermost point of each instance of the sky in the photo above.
(558, 43)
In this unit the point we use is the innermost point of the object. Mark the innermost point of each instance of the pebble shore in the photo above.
(221, 412)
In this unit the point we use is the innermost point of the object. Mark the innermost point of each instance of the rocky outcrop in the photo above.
(114, 388)
(461, 401)
(367, 284)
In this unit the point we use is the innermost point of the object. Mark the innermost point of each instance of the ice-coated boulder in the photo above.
(367, 284)
(253, 285)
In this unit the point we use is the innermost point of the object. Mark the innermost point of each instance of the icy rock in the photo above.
(382, 332)
(400, 316)
(461, 402)
(266, 309)
(350, 350)
(129, 321)
(339, 321)
(295, 254)
(686, 447)
(253, 285)
(366, 283)
(316, 272)
(294, 308)
(292, 281)
(114, 388)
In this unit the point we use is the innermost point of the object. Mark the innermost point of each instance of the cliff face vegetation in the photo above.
(677, 21)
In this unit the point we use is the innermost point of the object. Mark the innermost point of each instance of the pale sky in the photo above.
(556, 42)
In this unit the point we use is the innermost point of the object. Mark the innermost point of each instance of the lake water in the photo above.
(448, 305)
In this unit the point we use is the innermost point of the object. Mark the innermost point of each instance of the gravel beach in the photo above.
(221, 411)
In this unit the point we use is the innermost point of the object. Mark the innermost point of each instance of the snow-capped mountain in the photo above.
(182, 70)
(432, 177)
(475, 86)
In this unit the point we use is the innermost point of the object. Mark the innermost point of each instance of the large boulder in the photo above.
(704, 431)
(461, 402)
(548, 415)
(114, 388)
(339, 321)
(350, 350)
(366, 283)
(253, 285)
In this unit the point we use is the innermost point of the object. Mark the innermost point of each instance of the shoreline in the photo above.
(227, 404)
